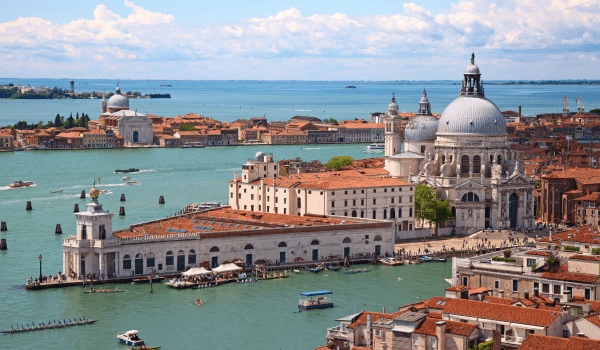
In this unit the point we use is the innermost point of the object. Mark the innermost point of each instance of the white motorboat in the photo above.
(132, 183)
(375, 148)
(130, 338)
(126, 178)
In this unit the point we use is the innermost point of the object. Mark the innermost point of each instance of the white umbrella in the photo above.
(196, 271)
(226, 268)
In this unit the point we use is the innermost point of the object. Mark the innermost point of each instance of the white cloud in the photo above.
(498, 31)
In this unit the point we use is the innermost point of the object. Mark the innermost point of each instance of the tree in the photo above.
(11, 84)
(128, 92)
(186, 127)
(538, 184)
(330, 120)
(57, 121)
(423, 196)
(438, 212)
(595, 111)
(488, 345)
(336, 163)
(70, 122)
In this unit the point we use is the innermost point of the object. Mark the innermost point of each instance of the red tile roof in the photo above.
(458, 328)
(537, 342)
(478, 290)
(496, 300)
(501, 312)
(586, 257)
(562, 273)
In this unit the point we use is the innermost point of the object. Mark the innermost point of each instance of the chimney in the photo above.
(500, 294)
(568, 294)
(581, 335)
(526, 294)
(440, 333)
(519, 111)
(384, 309)
(550, 237)
(236, 176)
(536, 292)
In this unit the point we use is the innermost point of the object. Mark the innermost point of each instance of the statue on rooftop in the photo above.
(94, 193)
(473, 58)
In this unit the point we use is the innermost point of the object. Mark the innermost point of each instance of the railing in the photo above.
(512, 339)
(337, 332)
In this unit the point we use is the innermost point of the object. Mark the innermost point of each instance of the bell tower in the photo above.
(393, 134)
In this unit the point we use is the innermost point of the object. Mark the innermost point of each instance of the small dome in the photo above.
(424, 99)
(118, 101)
(393, 106)
(472, 115)
(472, 69)
(421, 128)
(260, 156)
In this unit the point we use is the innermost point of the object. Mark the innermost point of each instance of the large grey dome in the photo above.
(472, 115)
(118, 101)
(421, 128)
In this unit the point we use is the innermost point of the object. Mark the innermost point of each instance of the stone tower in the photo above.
(393, 134)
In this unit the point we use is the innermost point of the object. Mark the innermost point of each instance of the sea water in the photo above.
(249, 316)
(281, 100)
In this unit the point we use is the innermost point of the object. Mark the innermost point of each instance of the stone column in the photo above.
(532, 213)
(117, 264)
(100, 264)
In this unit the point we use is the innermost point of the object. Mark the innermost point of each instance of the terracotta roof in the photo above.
(437, 303)
(581, 300)
(496, 300)
(435, 315)
(537, 342)
(581, 234)
(501, 312)
(458, 328)
(585, 257)
(458, 289)
(562, 273)
(478, 290)
(594, 319)
(360, 348)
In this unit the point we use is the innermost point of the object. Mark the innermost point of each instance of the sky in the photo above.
(300, 40)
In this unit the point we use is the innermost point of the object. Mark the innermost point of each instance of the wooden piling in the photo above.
(3, 226)
(161, 200)
(122, 197)
(58, 230)
(28, 206)
(82, 194)
(122, 211)
(76, 208)
(3, 244)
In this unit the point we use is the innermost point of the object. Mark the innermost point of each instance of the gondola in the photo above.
(54, 326)
(352, 272)
(104, 291)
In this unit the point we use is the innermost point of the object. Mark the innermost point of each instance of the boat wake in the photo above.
(105, 185)
(4, 188)
(310, 148)
(145, 171)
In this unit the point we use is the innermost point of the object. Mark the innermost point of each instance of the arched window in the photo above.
(169, 259)
(385, 213)
(477, 164)
(347, 240)
(127, 262)
(377, 238)
(464, 164)
(248, 246)
(470, 197)
(214, 249)
(487, 212)
(138, 256)
(453, 212)
(443, 159)
(354, 213)
(150, 260)
(499, 159)
(181, 252)
(192, 257)
(314, 242)
(399, 212)
(136, 136)
(392, 213)
(282, 245)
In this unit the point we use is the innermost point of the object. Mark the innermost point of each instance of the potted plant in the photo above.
(507, 253)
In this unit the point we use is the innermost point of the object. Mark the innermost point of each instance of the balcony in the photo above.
(512, 339)
(338, 333)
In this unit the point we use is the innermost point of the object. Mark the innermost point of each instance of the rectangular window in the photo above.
(399, 199)
(362, 202)
(285, 201)
(345, 203)
(268, 209)
(448, 343)
(545, 288)
(410, 212)
(531, 262)
(333, 204)
(251, 197)
(374, 190)
(126, 264)
(556, 289)
(465, 281)
(496, 284)
(354, 202)
(275, 210)
(392, 200)
(192, 259)
(415, 341)
(588, 294)
(515, 285)
(231, 195)
(285, 211)
(150, 262)
(102, 231)
(410, 199)
(276, 199)
(83, 232)
(239, 196)
(374, 201)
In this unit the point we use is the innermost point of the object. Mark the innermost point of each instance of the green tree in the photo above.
(57, 121)
(11, 84)
(128, 92)
(438, 212)
(70, 122)
(488, 345)
(336, 163)
(538, 184)
(330, 120)
(137, 93)
(595, 111)
(186, 127)
(423, 196)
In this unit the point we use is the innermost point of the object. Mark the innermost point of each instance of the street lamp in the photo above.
(40, 257)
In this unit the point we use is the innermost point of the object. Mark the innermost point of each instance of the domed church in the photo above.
(134, 127)
(465, 157)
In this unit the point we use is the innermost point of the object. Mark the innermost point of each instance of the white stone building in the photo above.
(466, 158)
(215, 237)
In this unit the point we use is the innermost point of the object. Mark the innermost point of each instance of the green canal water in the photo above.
(249, 316)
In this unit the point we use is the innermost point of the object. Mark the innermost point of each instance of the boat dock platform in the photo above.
(186, 284)
(73, 282)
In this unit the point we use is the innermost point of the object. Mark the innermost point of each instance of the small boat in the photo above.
(186, 146)
(317, 269)
(130, 170)
(130, 338)
(198, 302)
(19, 183)
(145, 348)
(59, 191)
(315, 300)
(391, 262)
(147, 279)
(126, 178)
(375, 148)
(426, 258)
(352, 272)
(131, 183)
(103, 291)
(350, 87)
(333, 268)
(104, 192)
(439, 259)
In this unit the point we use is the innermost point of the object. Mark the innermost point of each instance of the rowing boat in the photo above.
(104, 291)
(55, 326)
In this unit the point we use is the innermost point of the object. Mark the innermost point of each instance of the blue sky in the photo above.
(310, 40)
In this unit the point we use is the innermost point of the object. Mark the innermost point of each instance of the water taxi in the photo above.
(130, 338)
(19, 183)
(315, 300)
(130, 170)
(375, 148)
(131, 183)
(391, 262)
(126, 178)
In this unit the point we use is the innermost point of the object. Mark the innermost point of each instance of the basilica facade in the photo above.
(465, 157)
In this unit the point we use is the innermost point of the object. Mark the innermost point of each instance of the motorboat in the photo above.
(104, 191)
(391, 262)
(19, 183)
(130, 338)
(132, 183)
(317, 269)
(126, 178)
(59, 191)
(130, 170)
(375, 148)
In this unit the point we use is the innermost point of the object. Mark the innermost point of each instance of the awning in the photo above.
(312, 294)
(196, 271)
(226, 268)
